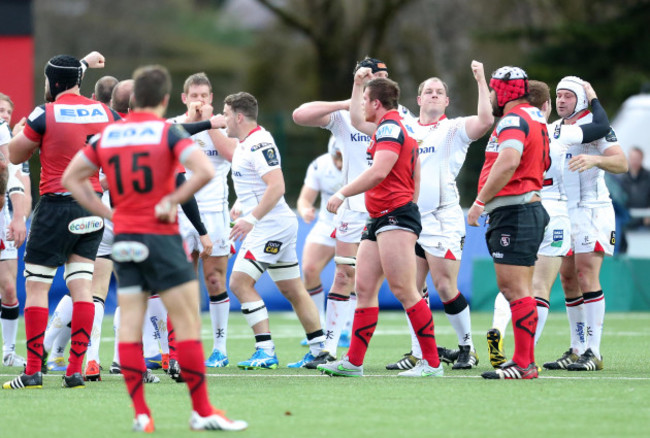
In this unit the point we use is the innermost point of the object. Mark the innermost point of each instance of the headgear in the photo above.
(372, 63)
(509, 83)
(63, 72)
(574, 85)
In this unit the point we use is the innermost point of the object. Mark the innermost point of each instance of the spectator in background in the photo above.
(636, 185)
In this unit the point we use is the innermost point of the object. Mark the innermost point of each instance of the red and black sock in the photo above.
(422, 323)
(192, 362)
(363, 327)
(83, 314)
(35, 325)
(133, 367)
(524, 324)
(171, 340)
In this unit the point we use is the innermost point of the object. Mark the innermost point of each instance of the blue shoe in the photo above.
(344, 340)
(301, 363)
(304, 342)
(58, 364)
(217, 360)
(153, 362)
(260, 360)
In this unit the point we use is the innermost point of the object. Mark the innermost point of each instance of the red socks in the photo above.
(132, 363)
(363, 327)
(35, 325)
(83, 314)
(524, 324)
(192, 362)
(422, 323)
(171, 340)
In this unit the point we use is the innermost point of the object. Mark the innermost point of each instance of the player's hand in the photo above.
(194, 112)
(473, 214)
(363, 75)
(218, 121)
(18, 127)
(17, 231)
(206, 111)
(307, 214)
(240, 229)
(206, 244)
(591, 93)
(166, 210)
(95, 60)
(477, 70)
(583, 162)
(235, 211)
(333, 203)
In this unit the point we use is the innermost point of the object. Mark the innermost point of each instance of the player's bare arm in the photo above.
(305, 204)
(21, 148)
(613, 160)
(476, 126)
(317, 114)
(363, 75)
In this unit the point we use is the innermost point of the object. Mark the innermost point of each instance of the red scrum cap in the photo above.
(510, 83)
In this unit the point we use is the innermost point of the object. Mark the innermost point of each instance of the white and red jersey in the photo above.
(5, 132)
(139, 156)
(214, 195)
(525, 124)
(324, 177)
(588, 188)
(253, 158)
(62, 129)
(353, 144)
(443, 146)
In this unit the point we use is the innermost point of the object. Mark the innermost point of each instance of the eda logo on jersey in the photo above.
(85, 225)
(80, 114)
(131, 134)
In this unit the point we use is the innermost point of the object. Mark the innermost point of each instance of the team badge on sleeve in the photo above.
(611, 136)
(388, 131)
(513, 121)
(271, 157)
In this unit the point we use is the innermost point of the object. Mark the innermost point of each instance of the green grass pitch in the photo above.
(284, 402)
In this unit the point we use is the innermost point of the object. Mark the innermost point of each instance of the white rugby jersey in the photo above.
(585, 189)
(214, 195)
(324, 177)
(5, 132)
(443, 146)
(353, 145)
(253, 158)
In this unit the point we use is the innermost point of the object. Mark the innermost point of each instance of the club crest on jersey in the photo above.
(80, 114)
(556, 131)
(558, 238)
(272, 247)
(85, 225)
(505, 240)
(271, 157)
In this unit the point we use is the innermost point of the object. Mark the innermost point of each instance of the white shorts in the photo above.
(10, 252)
(271, 241)
(349, 225)
(105, 246)
(557, 235)
(593, 229)
(443, 232)
(322, 233)
(218, 225)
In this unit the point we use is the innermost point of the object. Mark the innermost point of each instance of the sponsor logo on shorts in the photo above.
(587, 241)
(272, 247)
(612, 238)
(392, 220)
(343, 227)
(85, 225)
(497, 255)
(558, 238)
(129, 251)
(462, 243)
(505, 240)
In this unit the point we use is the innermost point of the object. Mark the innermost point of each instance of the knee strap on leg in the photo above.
(252, 268)
(284, 271)
(78, 271)
(42, 274)
(254, 312)
(344, 260)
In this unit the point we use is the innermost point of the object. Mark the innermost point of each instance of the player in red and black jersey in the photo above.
(388, 243)
(62, 232)
(509, 190)
(139, 156)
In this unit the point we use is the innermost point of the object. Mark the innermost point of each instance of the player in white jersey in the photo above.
(557, 236)
(212, 200)
(269, 230)
(443, 144)
(324, 178)
(592, 225)
(12, 235)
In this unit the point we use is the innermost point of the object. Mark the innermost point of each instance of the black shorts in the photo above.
(61, 227)
(406, 217)
(419, 251)
(515, 233)
(155, 262)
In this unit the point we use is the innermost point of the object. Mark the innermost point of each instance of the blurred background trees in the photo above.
(286, 52)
